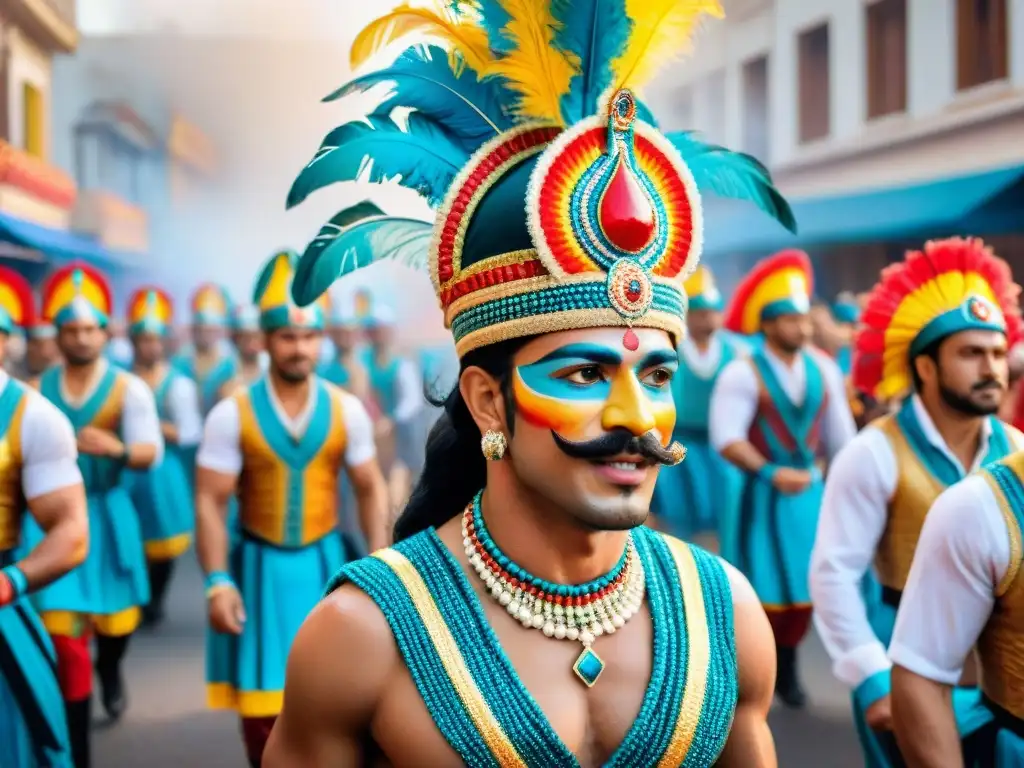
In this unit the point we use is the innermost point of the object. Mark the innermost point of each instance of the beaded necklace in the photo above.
(579, 613)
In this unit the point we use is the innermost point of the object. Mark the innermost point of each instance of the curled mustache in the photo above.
(619, 441)
(987, 384)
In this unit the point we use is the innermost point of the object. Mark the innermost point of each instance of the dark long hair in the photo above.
(454, 468)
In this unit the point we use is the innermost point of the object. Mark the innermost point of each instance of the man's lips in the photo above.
(623, 470)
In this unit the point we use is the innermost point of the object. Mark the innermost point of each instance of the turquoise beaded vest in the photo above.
(484, 711)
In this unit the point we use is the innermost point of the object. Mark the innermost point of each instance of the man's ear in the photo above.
(925, 367)
(482, 394)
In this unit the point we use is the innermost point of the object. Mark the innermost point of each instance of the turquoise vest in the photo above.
(209, 386)
(482, 708)
(384, 381)
(99, 474)
(692, 394)
(334, 372)
(785, 433)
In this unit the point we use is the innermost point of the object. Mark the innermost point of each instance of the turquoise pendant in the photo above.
(588, 667)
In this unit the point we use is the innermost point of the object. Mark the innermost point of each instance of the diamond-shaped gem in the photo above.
(588, 667)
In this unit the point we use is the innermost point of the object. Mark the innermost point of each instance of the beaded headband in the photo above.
(560, 205)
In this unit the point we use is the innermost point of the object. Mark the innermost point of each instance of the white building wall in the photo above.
(28, 64)
(927, 141)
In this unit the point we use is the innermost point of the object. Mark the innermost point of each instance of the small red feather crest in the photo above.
(788, 259)
(16, 297)
(878, 368)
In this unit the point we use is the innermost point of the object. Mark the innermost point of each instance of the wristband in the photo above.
(767, 472)
(17, 580)
(218, 581)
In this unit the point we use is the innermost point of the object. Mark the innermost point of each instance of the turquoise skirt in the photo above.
(163, 498)
(775, 537)
(113, 577)
(991, 738)
(698, 495)
(33, 728)
(279, 588)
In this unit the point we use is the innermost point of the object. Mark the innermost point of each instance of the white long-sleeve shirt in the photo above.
(734, 400)
(183, 409)
(854, 513)
(962, 556)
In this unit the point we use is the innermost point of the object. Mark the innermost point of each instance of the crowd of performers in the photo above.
(846, 462)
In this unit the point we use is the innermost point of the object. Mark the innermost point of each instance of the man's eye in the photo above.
(659, 377)
(590, 374)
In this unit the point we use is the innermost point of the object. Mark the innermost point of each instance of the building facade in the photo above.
(907, 114)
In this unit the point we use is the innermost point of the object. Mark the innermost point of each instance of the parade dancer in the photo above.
(346, 369)
(280, 444)
(207, 363)
(771, 415)
(38, 471)
(968, 566)
(163, 494)
(566, 317)
(41, 350)
(934, 331)
(115, 420)
(247, 340)
(845, 318)
(700, 494)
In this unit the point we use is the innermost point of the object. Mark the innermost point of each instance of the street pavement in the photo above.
(168, 726)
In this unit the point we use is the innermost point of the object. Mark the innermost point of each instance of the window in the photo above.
(34, 127)
(981, 42)
(813, 51)
(755, 108)
(887, 57)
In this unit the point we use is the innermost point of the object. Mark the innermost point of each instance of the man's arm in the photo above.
(186, 426)
(731, 412)
(838, 426)
(750, 743)
(52, 484)
(218, 464)
(143, 437)
(345, 645)
(961, 558)
(368, 484)
(853, 518)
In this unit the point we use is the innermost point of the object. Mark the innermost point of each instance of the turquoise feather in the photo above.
(424, 155)
(597, 32)
(735, 175)
(355, 238)
(422, 79)
(494, 18)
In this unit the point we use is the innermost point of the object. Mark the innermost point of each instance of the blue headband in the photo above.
(974, 314)
(290, 316)
(80, 309)
(845, 312)
(791, 305)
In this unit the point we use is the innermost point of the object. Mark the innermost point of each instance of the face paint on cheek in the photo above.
(555, 404)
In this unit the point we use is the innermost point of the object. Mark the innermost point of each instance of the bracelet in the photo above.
(218, 581)
(17, 580)
(767, 472)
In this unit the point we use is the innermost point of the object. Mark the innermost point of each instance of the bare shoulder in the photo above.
(755, 643)
(344, 645)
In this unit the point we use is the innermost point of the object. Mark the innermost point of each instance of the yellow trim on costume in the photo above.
(784, 284)
(12, 498)
(1013, 529)
(939, 295)
(63, 623)
(698, 658)
(245, 703)
(118, 624)
(168, 549)
(441, 638)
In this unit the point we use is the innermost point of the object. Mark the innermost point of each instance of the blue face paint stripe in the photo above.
(664, 357)
(585, 353)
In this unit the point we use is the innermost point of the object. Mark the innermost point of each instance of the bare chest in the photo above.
(536, 674)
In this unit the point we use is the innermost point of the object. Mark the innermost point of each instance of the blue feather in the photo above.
(597, 31)
(422, 79)
(424, 156)
(493, 18)
(735, 175)
(355, 238)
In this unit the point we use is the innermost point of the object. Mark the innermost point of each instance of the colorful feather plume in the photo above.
(743, 311)
(915, 291)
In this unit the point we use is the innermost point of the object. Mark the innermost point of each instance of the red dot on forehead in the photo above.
(630, 340)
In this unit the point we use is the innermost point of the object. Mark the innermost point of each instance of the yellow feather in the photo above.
(535, 69)
(459, 35)
(662, 30)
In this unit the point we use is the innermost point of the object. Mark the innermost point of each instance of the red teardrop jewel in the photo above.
(630, 340)
(625, 214)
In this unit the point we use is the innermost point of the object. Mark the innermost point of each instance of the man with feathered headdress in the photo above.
(279, 444)
(163, 494)
(115, 419)
(708, 483)
(38, 475)
(772, 414)
(935, 334)
(506, 626)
